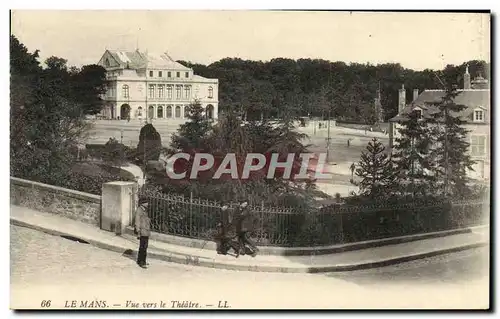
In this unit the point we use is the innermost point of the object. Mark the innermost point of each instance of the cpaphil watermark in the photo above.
(291, 166)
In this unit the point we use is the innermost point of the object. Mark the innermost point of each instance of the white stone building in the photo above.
(144, 85)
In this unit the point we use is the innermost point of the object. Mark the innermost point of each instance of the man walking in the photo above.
(244, 225)
(143, 231)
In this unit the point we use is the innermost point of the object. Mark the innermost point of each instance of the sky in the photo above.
(416, 40)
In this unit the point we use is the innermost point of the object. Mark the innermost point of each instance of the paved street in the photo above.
(49, 267)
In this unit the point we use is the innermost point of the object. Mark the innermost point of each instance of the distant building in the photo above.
(476, 96)
(144, 85)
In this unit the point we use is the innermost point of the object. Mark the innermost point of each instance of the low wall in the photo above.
(68, 203)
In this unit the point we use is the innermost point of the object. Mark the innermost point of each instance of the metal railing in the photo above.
(336, 224)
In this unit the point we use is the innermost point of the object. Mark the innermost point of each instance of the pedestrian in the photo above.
(221, 238)
(244, 225)
(143, 230)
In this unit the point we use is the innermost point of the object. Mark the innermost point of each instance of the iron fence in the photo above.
(339, 223)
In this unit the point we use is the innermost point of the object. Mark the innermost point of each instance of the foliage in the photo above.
(47, 123)
(451, 153)
(149, 147)
(114, 152)
(375, 170)
(193, 133)
(411, 157)
(257, 89)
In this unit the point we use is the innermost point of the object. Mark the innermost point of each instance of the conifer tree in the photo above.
(193, 133)
(411, 156)
(451, 152)
(376, 171)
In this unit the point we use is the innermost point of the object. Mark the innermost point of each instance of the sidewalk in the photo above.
(352, 260)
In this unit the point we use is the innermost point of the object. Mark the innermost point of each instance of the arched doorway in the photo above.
(209, 112)
(177, 111)
(151, 111)
(124, 111)
(139, 112)
(159, 112)
(169, 111)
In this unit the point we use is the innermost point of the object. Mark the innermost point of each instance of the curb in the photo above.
(306, 251)
(211, 263)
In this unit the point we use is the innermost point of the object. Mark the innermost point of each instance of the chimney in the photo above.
(402, 99)
(467, 78)
(415, 94)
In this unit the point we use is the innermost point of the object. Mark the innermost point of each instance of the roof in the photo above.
(472, 99)
(141, 60)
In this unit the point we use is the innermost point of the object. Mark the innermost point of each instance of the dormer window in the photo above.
(417, 112)
(478, 116)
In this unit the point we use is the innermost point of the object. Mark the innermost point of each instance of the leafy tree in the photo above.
(88, 85)
(451, 153)
(45, 125)
(376, 171)
(411, 156)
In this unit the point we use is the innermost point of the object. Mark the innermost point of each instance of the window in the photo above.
(139, 111)
(419, 113)
(478, 145)
(177, 111)
(187, 92)
(150, 74)
(187, 74)
(125, 91)
(160, 92)
(169, 111)
(159, 112)
(107, 62)
(178, 92)
(178, 74)
(210, 92)
(151, 111)
(478, 116)
(160, 74)
(187, 109)
(169, 74)
(151, 91)
(169, 92)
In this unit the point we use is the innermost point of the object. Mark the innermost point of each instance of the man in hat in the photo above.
(143, 231)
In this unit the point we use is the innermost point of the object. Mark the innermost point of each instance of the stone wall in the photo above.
(68, 203)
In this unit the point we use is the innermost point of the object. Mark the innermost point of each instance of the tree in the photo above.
(192, 135)
(45, 125)
(88, 85)
(376, 171)
(149, 147)
(411, 156)
(451, 152)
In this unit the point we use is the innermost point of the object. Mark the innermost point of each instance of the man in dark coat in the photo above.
(221, 238)
(245, 225)
(143, 231)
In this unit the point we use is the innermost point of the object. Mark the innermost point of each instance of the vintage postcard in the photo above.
(222, 160)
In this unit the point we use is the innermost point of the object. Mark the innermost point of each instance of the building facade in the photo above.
(149, 86)
(476, 97)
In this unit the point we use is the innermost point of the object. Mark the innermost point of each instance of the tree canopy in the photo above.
(313, 86)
